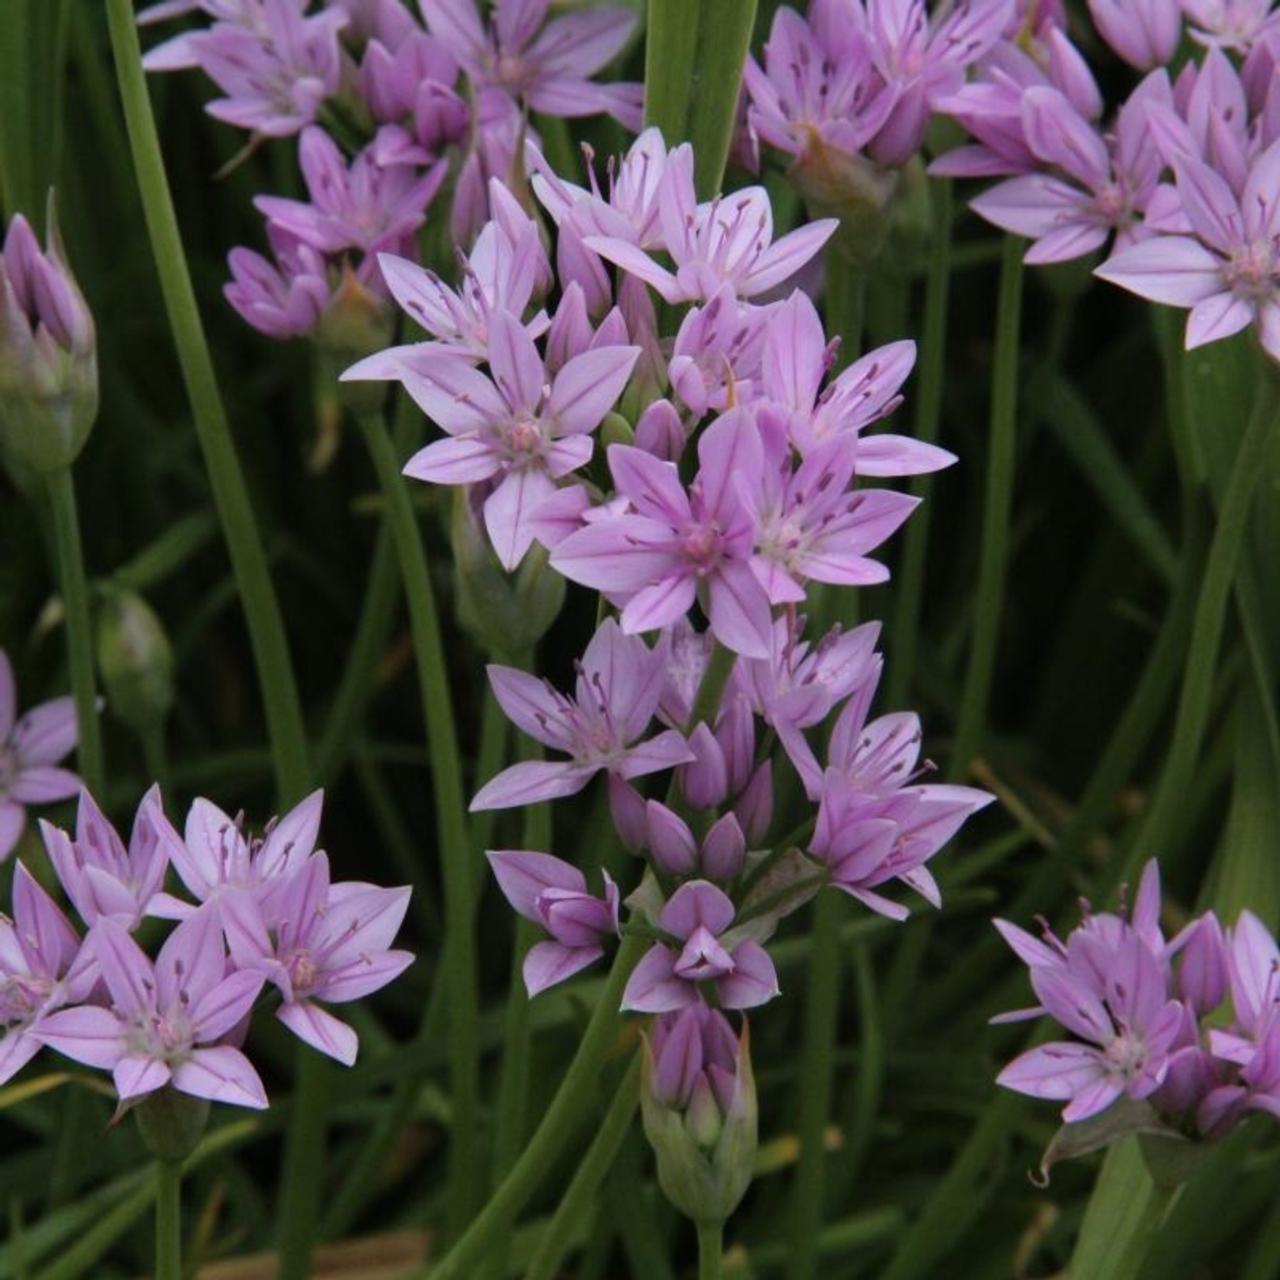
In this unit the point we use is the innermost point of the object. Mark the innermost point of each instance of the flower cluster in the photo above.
(261, 912)
(732, 490)
(847, 90)
(411, 106)
(1183, 180)
(1147, 1014)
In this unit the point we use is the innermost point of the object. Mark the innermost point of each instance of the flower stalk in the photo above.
(168, 1220)
(560, 1122)
(244, 543)
(993, 562)
(454, 845)
(75, 600)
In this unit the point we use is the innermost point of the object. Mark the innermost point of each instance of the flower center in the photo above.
(701, 547)
(1251, 271)
(1126, 1054)
(525, 439)
(21, 997)
(302, 972)
(509, 71)
(1111, 203)
(8, 768)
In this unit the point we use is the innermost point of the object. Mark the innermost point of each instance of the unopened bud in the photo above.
(48, 360)
(616, 430)
(754, 807)
(698, 1100)
(136, 661)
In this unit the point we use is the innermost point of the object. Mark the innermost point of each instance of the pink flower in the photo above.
(1114, 997)
(360, 206)
(554, 894)
(275, 64)
(166, 1022)
(102, 878)
(546, 66)
(42, 967)
(675, 544)
(317, 942)
(602, 727)
(697, 918)
(818, 95)
(215, 855)
(1104, 188)
(499, 275)
(923, 59)
(30, 749)
(284, 299)
(812, 524)
(728, 240)
(1227, 272)
(519, 429)
(795, 363)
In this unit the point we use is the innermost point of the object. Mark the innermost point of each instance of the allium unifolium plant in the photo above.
(624, 358)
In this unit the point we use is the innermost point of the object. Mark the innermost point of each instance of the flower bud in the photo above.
(854, 189)
(724, 850)
(136, 661)
(660, 432)
(616, 430)
(704, 781)
(1202, 974)
(48, 354)
(698, 1100)
(736, 734)
(670, 841)
(507, 613)
(627, 808)
(754, 807)
(356, 322)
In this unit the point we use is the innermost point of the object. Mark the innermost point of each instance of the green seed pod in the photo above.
(171, 1123)
(136, 661)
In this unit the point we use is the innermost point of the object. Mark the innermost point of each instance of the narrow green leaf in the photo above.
(694, 56)
(1124, 1212)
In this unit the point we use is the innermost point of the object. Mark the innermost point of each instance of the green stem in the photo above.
(374, 626)
(301, 1176)
(710, 1250)
(367, 644)
(168, 1220)
(712, 687)
(997, 508)
(513, 1083)
(1195, 699)
(846, 297)
(808, 1199)
(75, 600)
(561, 1122)
(577, 1199)
(489, 759)
(279, 690)
(933, 352)
(451, 822)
